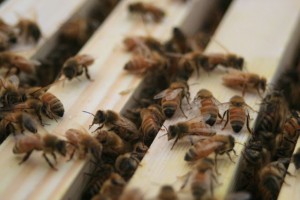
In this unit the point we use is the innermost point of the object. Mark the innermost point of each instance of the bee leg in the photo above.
(216, 164)
(174, 142)
(188, 175)
(25, 157)
(248, 127)
(54, 156)
(48, 161)
(87, 73)
(228, 154)
(227, 119)
(72, 154)
(180, 107)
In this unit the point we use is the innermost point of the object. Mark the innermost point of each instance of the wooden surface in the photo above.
(34, 179)
(250, 29)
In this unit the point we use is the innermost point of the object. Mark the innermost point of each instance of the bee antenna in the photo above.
(88, 112)
(220, 44)
(163, 135)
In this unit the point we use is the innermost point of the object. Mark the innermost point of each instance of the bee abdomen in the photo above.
(150, 128)
(191, 155)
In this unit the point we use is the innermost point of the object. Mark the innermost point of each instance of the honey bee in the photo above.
(296, 159)
(113, 187)
(18, 122)
(152, 119)
(82, 141)
(237, 114)
(271, 177)
(141, 42)
(140, 64)
(147, 11)
(113, 121)
(4, 42)
(178, 43)
(188, 128)
(77, 30)
(226, 60)
(8, 33)
(75, 66)
(167, 193)
(219, 144)
(112, 143)
(140, 149)
(9, 92)
(272, 114)
(208, 106)
(245, 81)
(52, 106)
(29, 30)
(203, 178)
(13, 61)
(127, 163)
(49, 144)
(172, 97)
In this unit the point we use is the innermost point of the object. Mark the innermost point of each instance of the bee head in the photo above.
(61, 147)
(239, 63)
(70, 69)
(100, 117)
(173, 132)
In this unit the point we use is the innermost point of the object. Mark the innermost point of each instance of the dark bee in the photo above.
(29, 30)
(147, 11)
(178, 43)
(126, 164)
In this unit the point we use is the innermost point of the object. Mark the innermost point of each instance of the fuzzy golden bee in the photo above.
(49, 144)
(237, 114)
(225, 60)
(148, 11)
(29, 30)
(208, 106)
(245, 81)
(76, 65)
(172, 97)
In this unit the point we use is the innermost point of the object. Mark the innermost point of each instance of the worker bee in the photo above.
(142, 42)
(167, 193)
(178, 43)
(219, 144)
(13, 61)
(172, 97)
(112, 143)
(74, 66)
(49, 144)
(140, 149)
(237, 114)
(225, 60)
(188, 128)
(272, 114)
(113, 187)
(147, 11)
(9, 91)
(208, 106)
(113, 121)
(8, 35)
(296, 159)
(77, 30)
(127, 163)
(29, 30)
(18, 122)
(271, 177)
(82, 141)
(245, 81)
(52, 106)
(203, 178)
(152, 119)
(4, 42)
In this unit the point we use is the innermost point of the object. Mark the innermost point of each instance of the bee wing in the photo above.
(202, 147)
(14, 80)
(127, 124)
(85, 59)
(168, 94)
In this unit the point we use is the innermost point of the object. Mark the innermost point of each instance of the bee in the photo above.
(8, 32)
(152, 119)
(140, 64)
(271, 177)
(13, 61)
(77, 30)
(4, 42)
(172, 97)
(132, 194)
(140, 149)
(203, 178)
(75, 66)
(18, 122)
(49, 144)
(127, 163)
(82, 141)
(245, 81)
(272, 114)
(142, 42)
(237, 114)
(52, 106)
(167, 193)
(188, 128)
(113, 121)
(113, 187)
(112, 143)
(296, 159)
(209, 106)
(219, 144)
(9, 92)
(178, 43)
(147, 11)
(226, 60)
(29, 30)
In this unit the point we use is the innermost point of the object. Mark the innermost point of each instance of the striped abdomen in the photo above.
(291, 127)
(170, 106)
(237, 118)
(209, 109)
(150, 126)
(56, 107)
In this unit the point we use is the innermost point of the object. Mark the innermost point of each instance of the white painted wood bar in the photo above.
(34, 179)
(252, 30)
